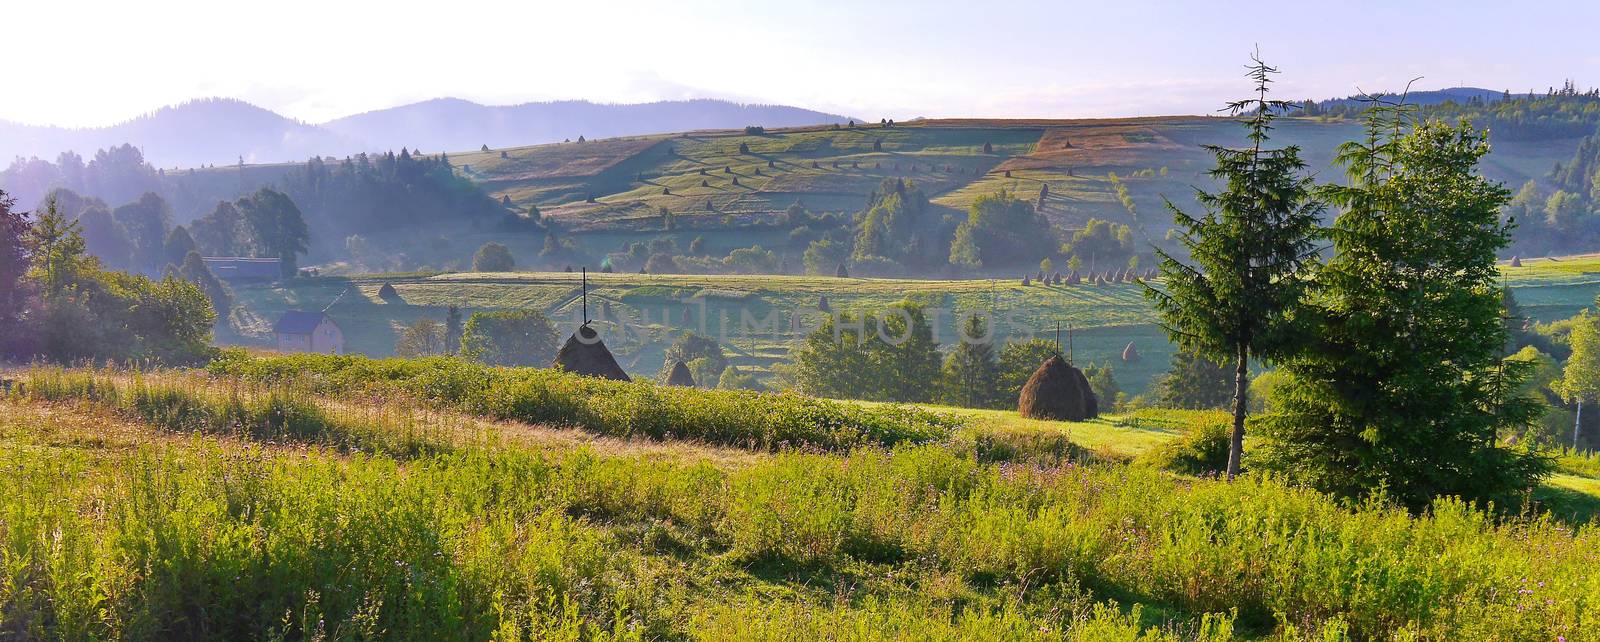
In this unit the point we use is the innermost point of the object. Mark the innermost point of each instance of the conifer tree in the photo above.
(1250, 249)
(194, 270)
(971, 373)
(1404, 388)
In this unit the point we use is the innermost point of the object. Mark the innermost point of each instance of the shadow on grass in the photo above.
(1567, 505)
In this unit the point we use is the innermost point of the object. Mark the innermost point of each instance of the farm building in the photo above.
(238, 268)
(300, 331)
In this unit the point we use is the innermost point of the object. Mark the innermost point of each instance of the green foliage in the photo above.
(425, 338)
(278, 226)
(105, 238)
(264, 223)
(971, 371)
(1104, 384)
(178, 245)
(1562, 112)
(388, 198)
(1250, 250)
(146, 223)
(1103, 243)
(452, 330)
(507, 542)
(1202, 449)
(1018, 361)
(898, 225)
(824, 256)
(888, 358)
(194, 270)
(509, 338)
(1403, 389)
(751, 260)
(733, 379)
(1194, 383)
(1580, 379)
(662, 263)
(86, 313)
(15, 256)
(493, 257)
(691, 346)
(603, 406)
(1001, 230)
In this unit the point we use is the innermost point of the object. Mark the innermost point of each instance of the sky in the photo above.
(81, 64)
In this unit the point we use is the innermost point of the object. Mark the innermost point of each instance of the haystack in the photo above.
(588, 356)
(680, 375)
(1057, 391)
(387, 292)
(822, 304)
(1516, 261)
(1130, 354)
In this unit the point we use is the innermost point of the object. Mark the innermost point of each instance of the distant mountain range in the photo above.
(1432, 96)
(222, 131)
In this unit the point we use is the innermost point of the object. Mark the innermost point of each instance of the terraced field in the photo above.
(731, 188)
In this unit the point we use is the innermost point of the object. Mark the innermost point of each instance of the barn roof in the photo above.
(298, 322)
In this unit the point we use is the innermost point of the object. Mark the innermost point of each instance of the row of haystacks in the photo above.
(1092, 278)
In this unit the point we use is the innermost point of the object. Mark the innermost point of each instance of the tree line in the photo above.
(60, 302)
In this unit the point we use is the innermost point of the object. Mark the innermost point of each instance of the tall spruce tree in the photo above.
(1250, 249)
(1401, 387)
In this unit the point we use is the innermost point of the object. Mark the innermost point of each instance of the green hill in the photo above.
(834, 170)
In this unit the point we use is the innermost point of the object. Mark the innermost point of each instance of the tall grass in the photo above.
(269, 414)
(764, 421)
(192, 540)
(400, 532)
(1581, 463)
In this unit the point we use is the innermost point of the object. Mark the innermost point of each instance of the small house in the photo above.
(300, 331)
(238, 268)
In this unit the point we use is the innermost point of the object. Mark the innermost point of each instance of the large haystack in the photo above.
(1130, 354)
(1516, 261)
(1057, 391)
(588, 356)
(680, 375)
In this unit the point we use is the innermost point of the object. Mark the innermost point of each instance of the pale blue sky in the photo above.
(80, 63)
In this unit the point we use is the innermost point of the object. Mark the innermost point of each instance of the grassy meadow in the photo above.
(1104, 318)
(343, 498)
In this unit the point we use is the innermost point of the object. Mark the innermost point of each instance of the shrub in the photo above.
(1201, 450)
(509, 338)
(493, 257)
